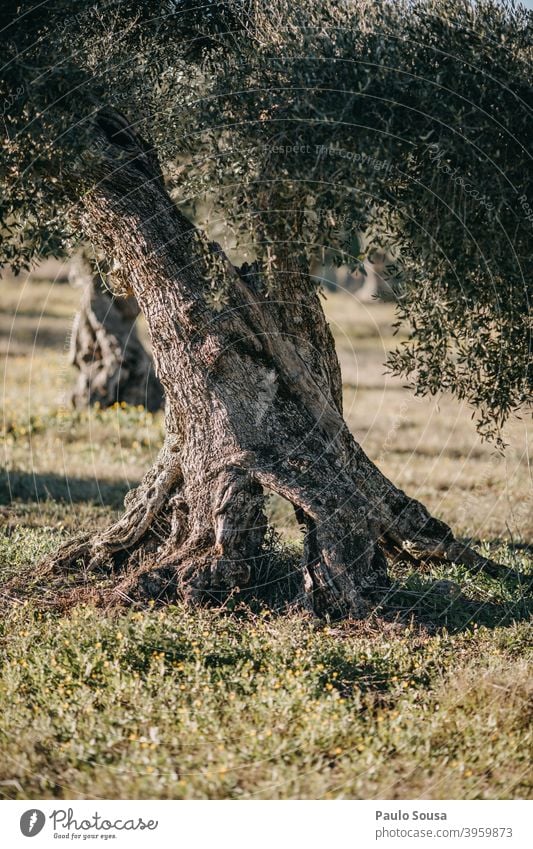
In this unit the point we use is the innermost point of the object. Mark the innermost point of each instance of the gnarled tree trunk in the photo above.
(105, 346)
(253, 400)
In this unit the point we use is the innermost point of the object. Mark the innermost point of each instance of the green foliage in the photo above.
(408, 124)
(311, 127)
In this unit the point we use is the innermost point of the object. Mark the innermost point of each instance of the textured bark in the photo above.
(254, 400)
(105, 347)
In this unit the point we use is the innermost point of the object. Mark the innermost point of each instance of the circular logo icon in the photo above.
(32, 822)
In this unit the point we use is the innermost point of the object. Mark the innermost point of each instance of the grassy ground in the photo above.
(430, 697)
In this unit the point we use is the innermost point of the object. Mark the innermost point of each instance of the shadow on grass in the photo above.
(38, 487)
(513, 547)
(432, 602)
(422, 597)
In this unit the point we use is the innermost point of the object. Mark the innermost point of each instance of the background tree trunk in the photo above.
(253, 400)
(105, 347)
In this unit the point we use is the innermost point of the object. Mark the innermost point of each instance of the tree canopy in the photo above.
(310, 127)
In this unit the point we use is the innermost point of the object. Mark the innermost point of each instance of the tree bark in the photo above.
(253, 400)
(113, 365)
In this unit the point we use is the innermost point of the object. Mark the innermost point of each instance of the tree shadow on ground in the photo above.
(497, 543)
(49, 486)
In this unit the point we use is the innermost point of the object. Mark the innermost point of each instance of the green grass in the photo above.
(174, 704)
(430, 697)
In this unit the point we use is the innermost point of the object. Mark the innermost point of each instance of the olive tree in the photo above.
(306, 125)
(113, 364)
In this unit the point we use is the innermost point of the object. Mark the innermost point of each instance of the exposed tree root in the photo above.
(159, 550)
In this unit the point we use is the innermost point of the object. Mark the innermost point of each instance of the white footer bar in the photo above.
(267, 825)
